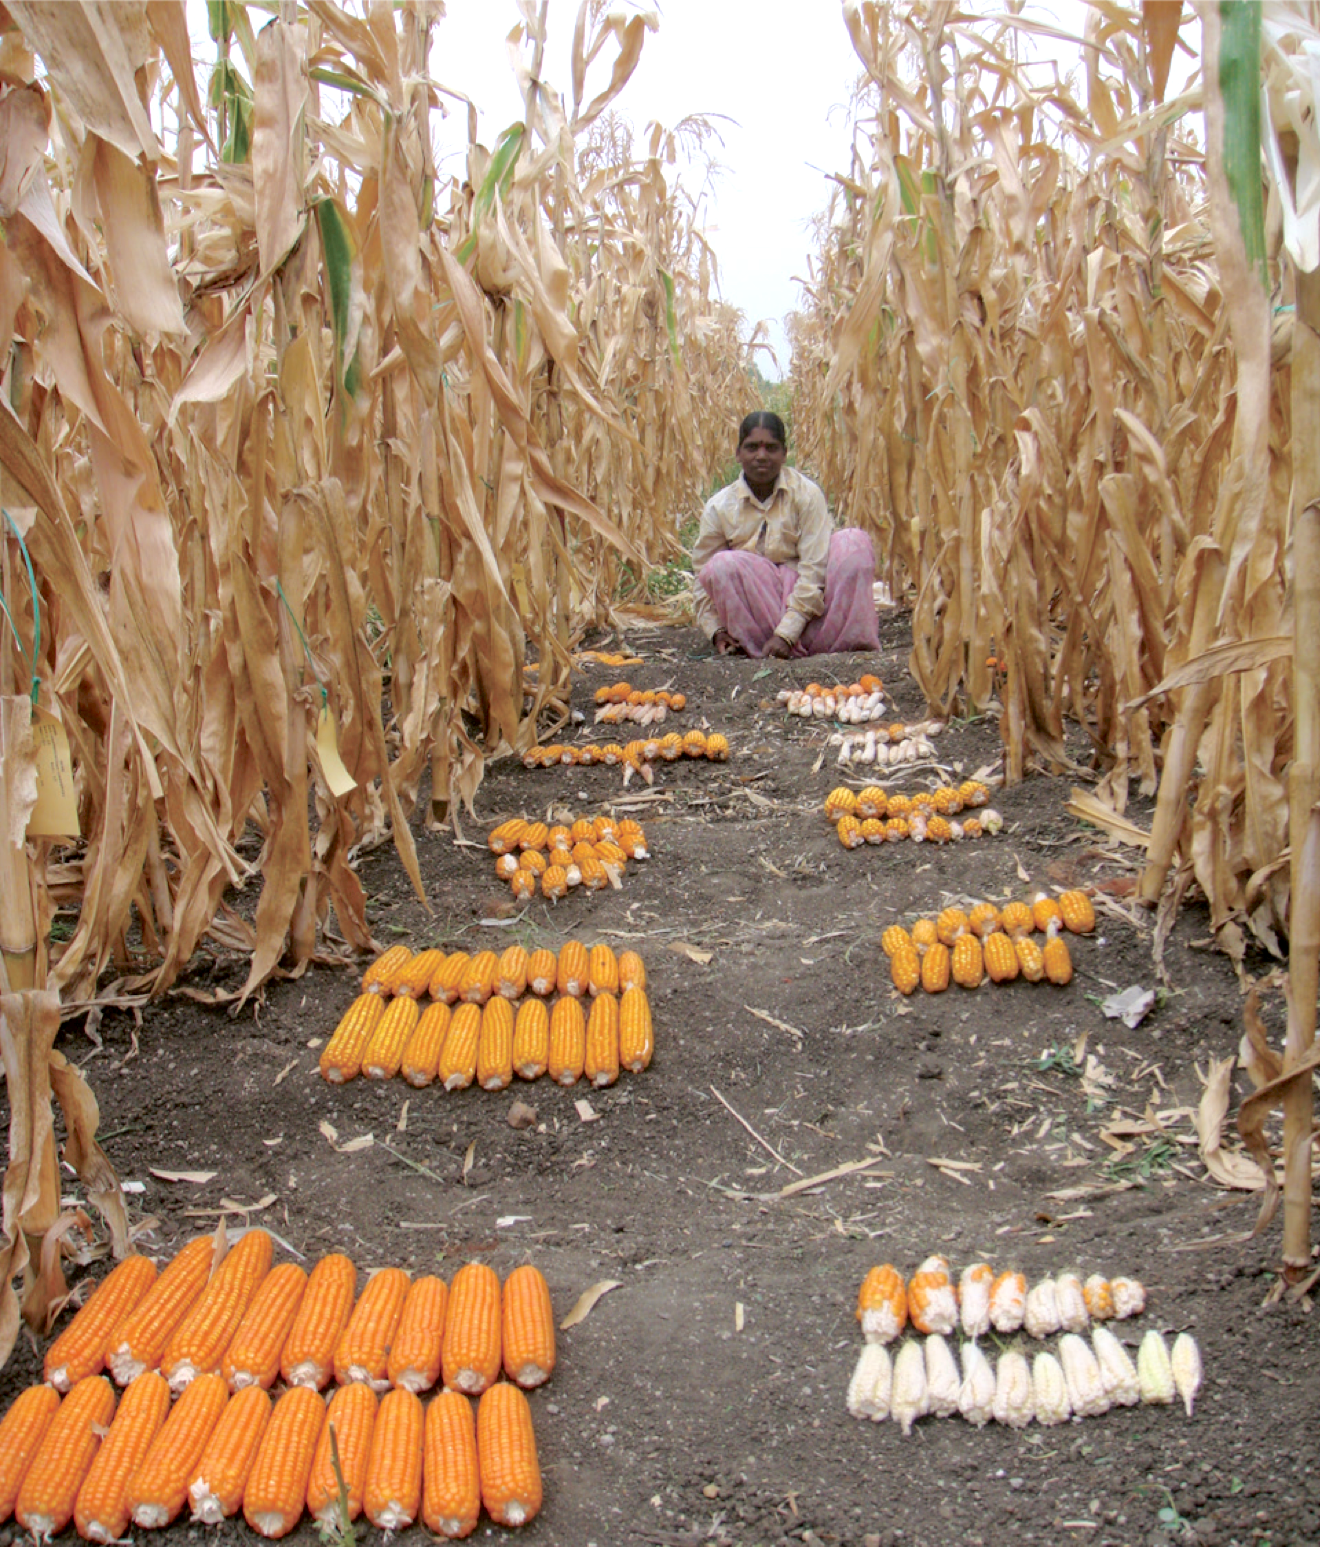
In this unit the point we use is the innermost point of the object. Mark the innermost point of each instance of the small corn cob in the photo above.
(936, 966)
(942, 1380)
(415, 979)
(939, 830)
(457, 1067)
(80, 1348)
(1073, 1315)
(1049, 1390)
(495, 1045)
(380, 976)
(841, 802)
(527, 1328)
(479, 978)
(421, 1052)
(897, 828)
(871, 1383)
(968, 963)
(393, 1493)
(1129, 1297)
(448, 978)
(451, 1486)
(1031, 960)
(636, 1035)
(558, 837)
(1044, 911)
(905, 968)
(414, 1357)
(49, 1489)
(611, 754)
(506, 1450)
(633, 845)
(506, 836)
(511, 974)
(1155, 1369)
(101, 1512)
(507, 866)
(976, 1395)
(907, 1395)
(1015, 919)
(1055, 958)
(973, 793)
(971, 828)
(308, 1356)
(932, 1304)
(533, 860)
(717, 747)
(253, 1357)
(574, 968)
(850, 832)
(632, 971)
(352, 1412)
(277, 1485)
(677, 701)
(21, 1433)
(198, 1346)
(568, 1041)
(1040, 1315)
(1117, 1372)
(584, 849)
(882, 1304)
(472, 1349)
(600, 1061)
(1099, 1298)
(694, 744)
(1008, 1301)
(872, 802)
(924, 935)
(362, 1352)
(215, 1489)
(1013, 1402)
(1081, 1370)
(1001, 958)
(341, 1057)
(384, 1052)
(1077, 912)
(671, 747)
(602, 970)
(974, 1288)
(946, 800)
(582, 831)
(1185, 1362)
(592, 873)
(531, 1039)
(542, 971)
(143, 1335)
(894, 938)
(900, 805)
(534, 834)
(158, 1487)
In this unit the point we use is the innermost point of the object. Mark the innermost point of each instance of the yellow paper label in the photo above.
(55, 814)
(332, 765)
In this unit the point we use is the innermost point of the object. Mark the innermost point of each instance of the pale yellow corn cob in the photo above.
(1049, 1390)
(1071, 1301)
(942, 1380)
(1081, 1370)
(1117, 1372)
(871, 1383)
(1008, 1301)
(976, 1395)
(1129, 1297)
(907, 1395)
(1185, 1361)
(1013, 1403)
(1154, 1369)
(974, 1298)
(1040, 1315)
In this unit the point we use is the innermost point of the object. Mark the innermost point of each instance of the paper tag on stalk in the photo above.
(55, 814)
(327, 749)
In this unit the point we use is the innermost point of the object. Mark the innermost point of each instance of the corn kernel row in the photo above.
(966, 947)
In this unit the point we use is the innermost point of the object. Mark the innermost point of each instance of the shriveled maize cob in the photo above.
(507, 866)
(1056, 960)
(158, 1487)
(506, 1450)
(21, 1432)
(573, 969)
(932, 1303)
(936, 966)
(717, 746)
(1015, 919)
(924, 934)
(457, 1067)
(142, 1337)
(381, 975)
(1129, 1297)
(49, 1489)
(600, 1061)
(253, 1357)
(1077, 912)
(882, 1306)
(1154, 1368)
(362, 1352)
(1073, 1315)
(80, 1349)
(449, 977)
(1040, 1314)
(531, 1039)
(277, 1484)
(907, 1395)
(974, 1288)
(976, 1395)
(602, 970)
(479, 978)
(472, 1351)
(495, 1045)
(352, 1411)
(873, 830)
(527, 1327)
(505, 836)
(1185, 1362)
(968, 963)
(942, 1378)
(971, 828)
(393, 1494)
(101, 1512)
(542, 971)
(632, 971)
(421, 1052)
(678, 702)
(1001, 958)
(308, 1357)
(414, 1357)
(636, 1036)
(1044, 911)
(871, 1384)
(511, 976)
(840, 802)
(384, 1051)
(215, 1490)
(1081, 1370)
(1099, 1298)
(951, 924)
(905, 968)
(1031, 960)
(415, 978)
(1008, 1301)
(341, 1057)
(1050, 1399)
(983, 920)
(1117, 1372)
(1013, 1404)
(451, 1485)
(198, 1345)
(568, 1041)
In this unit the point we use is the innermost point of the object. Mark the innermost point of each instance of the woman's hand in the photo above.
(778, 648)
(725, 643)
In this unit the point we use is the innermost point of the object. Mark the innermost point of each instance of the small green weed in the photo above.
(1059, 1059)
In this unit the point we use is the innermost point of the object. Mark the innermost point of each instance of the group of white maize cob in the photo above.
(860, 703)
(875, 815)
(889, 746)
(988, 941)
(1082, 1379)
(623, 702)
(589, 852)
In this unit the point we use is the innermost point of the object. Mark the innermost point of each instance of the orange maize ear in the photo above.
(341, 1057)
(458, 1058)
(50, 1485)
(449, 979)
(415, 978)
(533, 835)
(841, 802)
(215, 1490)
(717, 748)
(677, 701)
(983, 919)
(560, 854)
(935, 967)
(632, 845)
(899, 805)
(253, 1358)
(1077, 911)
(584, 849)
(421, 1054)
(593, 874)
(600, 1061)
(362, 1352)
(573, 968)
(905, 969)
(1044, 911)
(932, 1299)
(1001, 960)
(143, 1335)
(277, 1485)
(471, 1354)
(602, 970)
(533, 860)
(554, 881)
(882, 1304)
(968, 962)
(1057, 962)
(1015, 919)
(559, 837)
(380, 976)
(636, 1037)
(353, 1411)
(511, 978)
(850, 832)
(531, 1039)
(924, 934)
(393, 1493)
(694, 744)
(527, 1327)
(21, 1432)
(872, 802)
(938, 830)
(505, 837)
(384, 1052)
(507, 866)
(308, 1356)
(894, 937)
(80, 1348)
(1031, 960)
(414, 1359)
(612, 856)
(522, 883)
(451, 1485)
(950, 924)
(158, 1487)
(542, 971)
(582, 831)
(199, 1345)
(632, 971)
(568, 1041)
(495, 1045)
(101, 1513)
(506, 1448)
(479, 980)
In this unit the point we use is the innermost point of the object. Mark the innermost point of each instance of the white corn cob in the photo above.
(1040, 1316)
(1073, 1315)
(941, 1308)
(1049, 1390)
(1117, 1371)
(1013, 1403)
(1081, 1370)
(991, 820)
(845, 752)
(1098, 1297)
(1129, 1297)
(1186, 1364)
(974, 1299)
(942, 1382)
(976, 1396)
(871, 1383)
(1007, 1303)
(1154, 1370)
(907, 1397)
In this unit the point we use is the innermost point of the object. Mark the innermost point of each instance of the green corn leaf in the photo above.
(1239, 86)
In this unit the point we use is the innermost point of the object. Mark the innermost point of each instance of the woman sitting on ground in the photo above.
(773, 577)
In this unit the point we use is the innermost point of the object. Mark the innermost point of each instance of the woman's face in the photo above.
(761, 456)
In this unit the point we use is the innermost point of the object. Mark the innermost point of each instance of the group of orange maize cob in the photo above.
(591, 852)
(988, 941)
(223, 1338)
(622, 701)
(470, 1032)
(874, 815)
(636, 756)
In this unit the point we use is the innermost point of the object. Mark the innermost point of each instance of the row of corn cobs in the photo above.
(622, 701)
(590, 852)
(237, 1329)
(988, 941)
(873, 815)
(636, 755)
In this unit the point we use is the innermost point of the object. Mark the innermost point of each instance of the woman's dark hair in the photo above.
(763, 419)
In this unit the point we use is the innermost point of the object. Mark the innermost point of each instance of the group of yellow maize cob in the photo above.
(873, 815)
(622, 702)
(636, 756)
(469, 1032)
(988, 941)
(222, 1338)
(591, 852)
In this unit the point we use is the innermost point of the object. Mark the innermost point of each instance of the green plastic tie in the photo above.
(325, 698)
(36, 611)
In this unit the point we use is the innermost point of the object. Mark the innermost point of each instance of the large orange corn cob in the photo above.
(568, 1041)
(495, 1045)
(384, 1051)
(381, 975)
(882, 1304)
(533, 836)
(632, 971)
(1015, 918)
(451, 1493)
(968, 964)
(447, 981)
(531, 1039)
(198, 1346)
(527, 1325)
(277, 1485)
(511, 979)
(601, 1059)
(602, 970)
(50, 1485)
(394, 1469)
(415, 978)
(341, 1057)
(101, 1512)
(143, 1335)
(542, 970)
(571, 976)
(479, 978)
(421, 1053)
(215, 1489)
(506, 836)
(158, 1486)
(414, 1360)
(471, 1355)
(21, 1432)
(905, 968)
(253, 1357)
(636, 1038)
(80, 1348)
(506, 1448)
(458, 1058)
(362, 1352)
(352, 1411)
(1001, 960)
(308, 1357)
(1078, 912)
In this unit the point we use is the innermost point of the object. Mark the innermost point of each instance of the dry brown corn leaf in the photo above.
(586, 1302)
